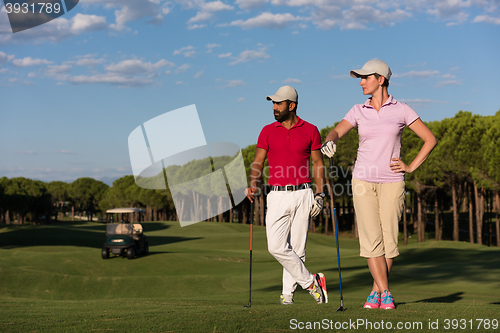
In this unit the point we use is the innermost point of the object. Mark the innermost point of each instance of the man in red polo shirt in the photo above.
(288, 143)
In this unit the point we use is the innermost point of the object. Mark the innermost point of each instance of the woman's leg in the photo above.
(389, 263)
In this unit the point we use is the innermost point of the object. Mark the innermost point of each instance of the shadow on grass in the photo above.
(275, 289)
(73, 234)
(139, 256)
(452, 298)
(433, 266)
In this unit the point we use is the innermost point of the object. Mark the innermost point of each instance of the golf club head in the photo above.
(248, 306)
(341, 309)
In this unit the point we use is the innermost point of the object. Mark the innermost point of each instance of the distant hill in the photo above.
(108, 180)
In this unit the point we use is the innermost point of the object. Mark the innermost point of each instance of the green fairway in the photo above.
(196, 280)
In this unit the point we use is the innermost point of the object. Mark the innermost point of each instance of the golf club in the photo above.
(251, 240)
(334, 213)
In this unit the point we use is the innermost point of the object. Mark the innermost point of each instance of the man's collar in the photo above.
(299, 122)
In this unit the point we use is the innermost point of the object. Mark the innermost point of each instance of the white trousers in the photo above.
(287, 224)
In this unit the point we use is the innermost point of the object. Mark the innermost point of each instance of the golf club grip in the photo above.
(251, 236)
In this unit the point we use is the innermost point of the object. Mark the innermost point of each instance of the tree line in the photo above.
(454, 195)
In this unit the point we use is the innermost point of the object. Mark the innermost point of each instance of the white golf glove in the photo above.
(329, 148)
(317, 205)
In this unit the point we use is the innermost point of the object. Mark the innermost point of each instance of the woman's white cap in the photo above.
(371, 67)
(284, 93)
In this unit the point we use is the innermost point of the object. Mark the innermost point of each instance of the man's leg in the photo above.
(281, 206)
(298, 239)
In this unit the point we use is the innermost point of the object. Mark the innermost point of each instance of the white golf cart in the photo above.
(124, 237)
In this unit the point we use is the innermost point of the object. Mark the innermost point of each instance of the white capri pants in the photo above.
(287, 224)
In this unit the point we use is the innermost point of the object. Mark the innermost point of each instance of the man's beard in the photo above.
(282, 116)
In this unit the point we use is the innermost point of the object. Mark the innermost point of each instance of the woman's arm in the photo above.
(424, 133)
(339, 131)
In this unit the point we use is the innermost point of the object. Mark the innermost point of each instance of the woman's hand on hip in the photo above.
(398, 165)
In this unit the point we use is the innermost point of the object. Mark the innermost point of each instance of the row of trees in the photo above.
(461, 175)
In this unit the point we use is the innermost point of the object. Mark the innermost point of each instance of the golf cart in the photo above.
(124, 237)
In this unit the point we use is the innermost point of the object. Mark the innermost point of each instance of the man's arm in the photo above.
(256, 172)
(318, 170)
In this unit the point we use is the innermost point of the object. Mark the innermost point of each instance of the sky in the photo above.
(72, 90)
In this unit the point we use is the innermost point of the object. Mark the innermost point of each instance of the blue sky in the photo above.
(72, 90)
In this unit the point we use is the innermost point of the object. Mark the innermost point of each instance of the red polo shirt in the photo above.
(288, 151)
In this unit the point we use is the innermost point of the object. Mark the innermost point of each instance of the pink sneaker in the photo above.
(387, 301)
(373, 301)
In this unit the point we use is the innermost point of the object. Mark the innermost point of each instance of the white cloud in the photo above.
(343, 76)
(58, 69)
(419, 74)
(187, 51)
(86, 62)
(249, 55)
(448, 83)
(241, 99)
(55, 30)
(121, 81)
(136, 66)
(196, 26)
(198, 75)
(210, 47)
(250, 4)
(231, 83)
(20, 81)
(88, 23)
(206, 11)
(448, 76)
(28, 61)
(27, 152)
(133, 10)
(267, 20)
(487, 19)
(417, 102)
(200, 16)
(292, 81)
(63, 173)
(225, 55)
(215, 6)
(4, 57)
(66, 152)
(182, 68)
(235, 83)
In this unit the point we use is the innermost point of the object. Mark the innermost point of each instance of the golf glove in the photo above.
(329, 148)
(317, 205)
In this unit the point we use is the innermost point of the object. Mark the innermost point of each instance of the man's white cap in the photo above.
(371, 67)
(284, 93)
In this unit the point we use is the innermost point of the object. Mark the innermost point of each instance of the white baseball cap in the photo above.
(284, 93)
(371, 67)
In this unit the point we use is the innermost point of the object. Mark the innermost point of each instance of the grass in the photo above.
(196, 280)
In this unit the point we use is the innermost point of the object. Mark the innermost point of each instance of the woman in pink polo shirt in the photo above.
(378, 175)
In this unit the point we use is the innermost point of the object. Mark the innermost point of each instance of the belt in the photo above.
(291, 187)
